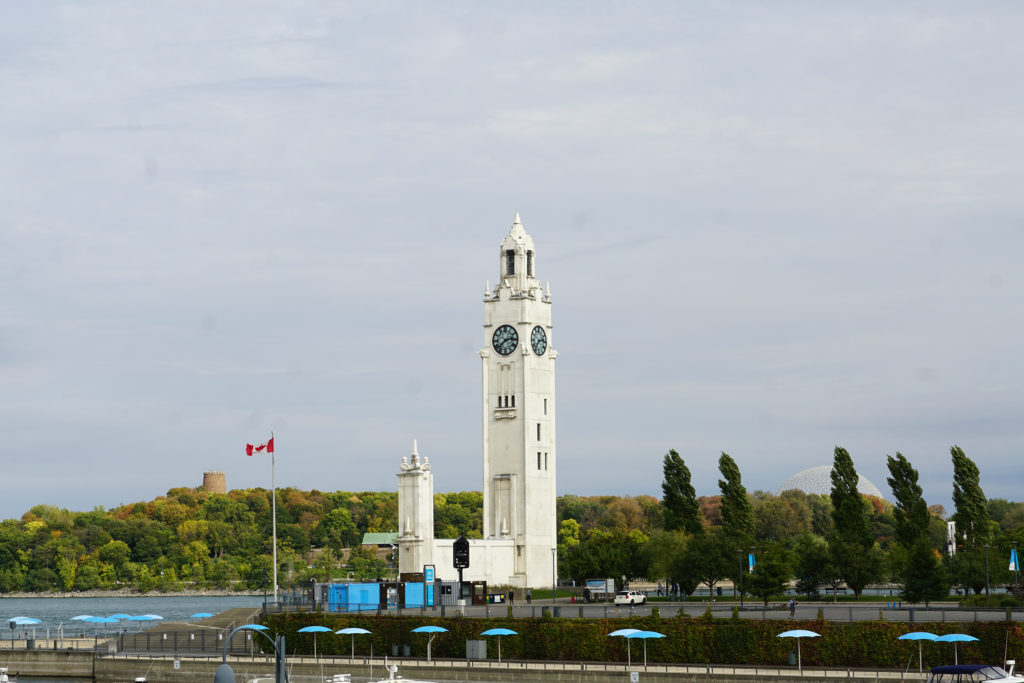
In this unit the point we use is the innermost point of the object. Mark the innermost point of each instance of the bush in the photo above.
(993, 601)
(695, 641)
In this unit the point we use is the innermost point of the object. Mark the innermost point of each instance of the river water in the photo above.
(52, 612)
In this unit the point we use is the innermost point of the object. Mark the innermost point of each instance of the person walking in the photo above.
(511, 596)
(792, 608)
(529, 597)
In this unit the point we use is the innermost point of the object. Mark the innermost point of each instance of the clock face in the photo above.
(539, 340)
(505, 340)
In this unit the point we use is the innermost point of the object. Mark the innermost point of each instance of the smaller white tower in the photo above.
(415, 513)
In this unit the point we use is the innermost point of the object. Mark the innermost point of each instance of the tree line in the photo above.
(194, 539)
(815, 542)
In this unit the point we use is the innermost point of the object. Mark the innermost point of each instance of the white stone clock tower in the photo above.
(519, 412)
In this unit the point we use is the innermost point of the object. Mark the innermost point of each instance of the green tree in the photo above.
(852, 548)
(971, 516)
(706, 560)
(910, 510)
(116, 554)
(812, 564)
(737, 513)
(679, 497)
(365, 564)
(771, 574)
(662, 552)
(924, 577)
(967, 569)
(848, 511)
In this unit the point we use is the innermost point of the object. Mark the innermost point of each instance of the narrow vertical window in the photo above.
(510, 262)
(545, 461)
(545, 406)
(538, 431)
(529, 263)
(513, 400)
(538, 460)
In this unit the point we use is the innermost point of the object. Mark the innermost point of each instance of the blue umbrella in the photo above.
(626, 632)
(798, 634)
(82, 617)
(499, 632)
(120, 616)
(255, 627)
(153, 616)
(433, 631)
(201, 615)
(24, 621)
(314, 630)
(352, 631)
(644, 635)
(955, 638)
(918, 636)
(143, 617)
(101, 620)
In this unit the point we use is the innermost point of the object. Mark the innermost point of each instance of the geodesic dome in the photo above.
(818, 480)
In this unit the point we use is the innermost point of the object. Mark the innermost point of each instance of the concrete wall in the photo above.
(119, 669)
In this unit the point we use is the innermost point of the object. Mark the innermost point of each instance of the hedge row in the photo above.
(702, 640)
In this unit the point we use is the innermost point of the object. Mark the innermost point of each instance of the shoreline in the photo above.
(129, 593)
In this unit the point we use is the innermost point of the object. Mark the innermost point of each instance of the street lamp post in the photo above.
(554, 576)
(225, 674)
(741, 551)
(986, 574)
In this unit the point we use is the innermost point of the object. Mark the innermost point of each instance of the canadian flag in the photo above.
(268, 447)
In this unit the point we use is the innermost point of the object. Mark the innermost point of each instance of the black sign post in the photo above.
(460, 556)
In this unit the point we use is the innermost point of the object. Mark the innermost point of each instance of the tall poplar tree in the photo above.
(853, 550)
(911, 510)
(737, 512)
(971, 516)
(848, 513)
(682, 512)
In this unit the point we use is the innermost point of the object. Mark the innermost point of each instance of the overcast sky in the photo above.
(769, 228)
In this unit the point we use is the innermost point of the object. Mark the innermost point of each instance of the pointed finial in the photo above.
(414, 451)
(516, 221)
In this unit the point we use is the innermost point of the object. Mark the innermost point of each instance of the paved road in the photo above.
(776, 611)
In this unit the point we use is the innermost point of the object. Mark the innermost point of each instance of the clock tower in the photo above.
(519, 413)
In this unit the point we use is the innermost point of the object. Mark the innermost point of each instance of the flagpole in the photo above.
(273, 512)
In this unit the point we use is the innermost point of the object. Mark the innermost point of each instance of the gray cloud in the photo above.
(767, 232)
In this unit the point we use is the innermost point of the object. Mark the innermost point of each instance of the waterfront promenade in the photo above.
(115, 668)
(190, 652)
